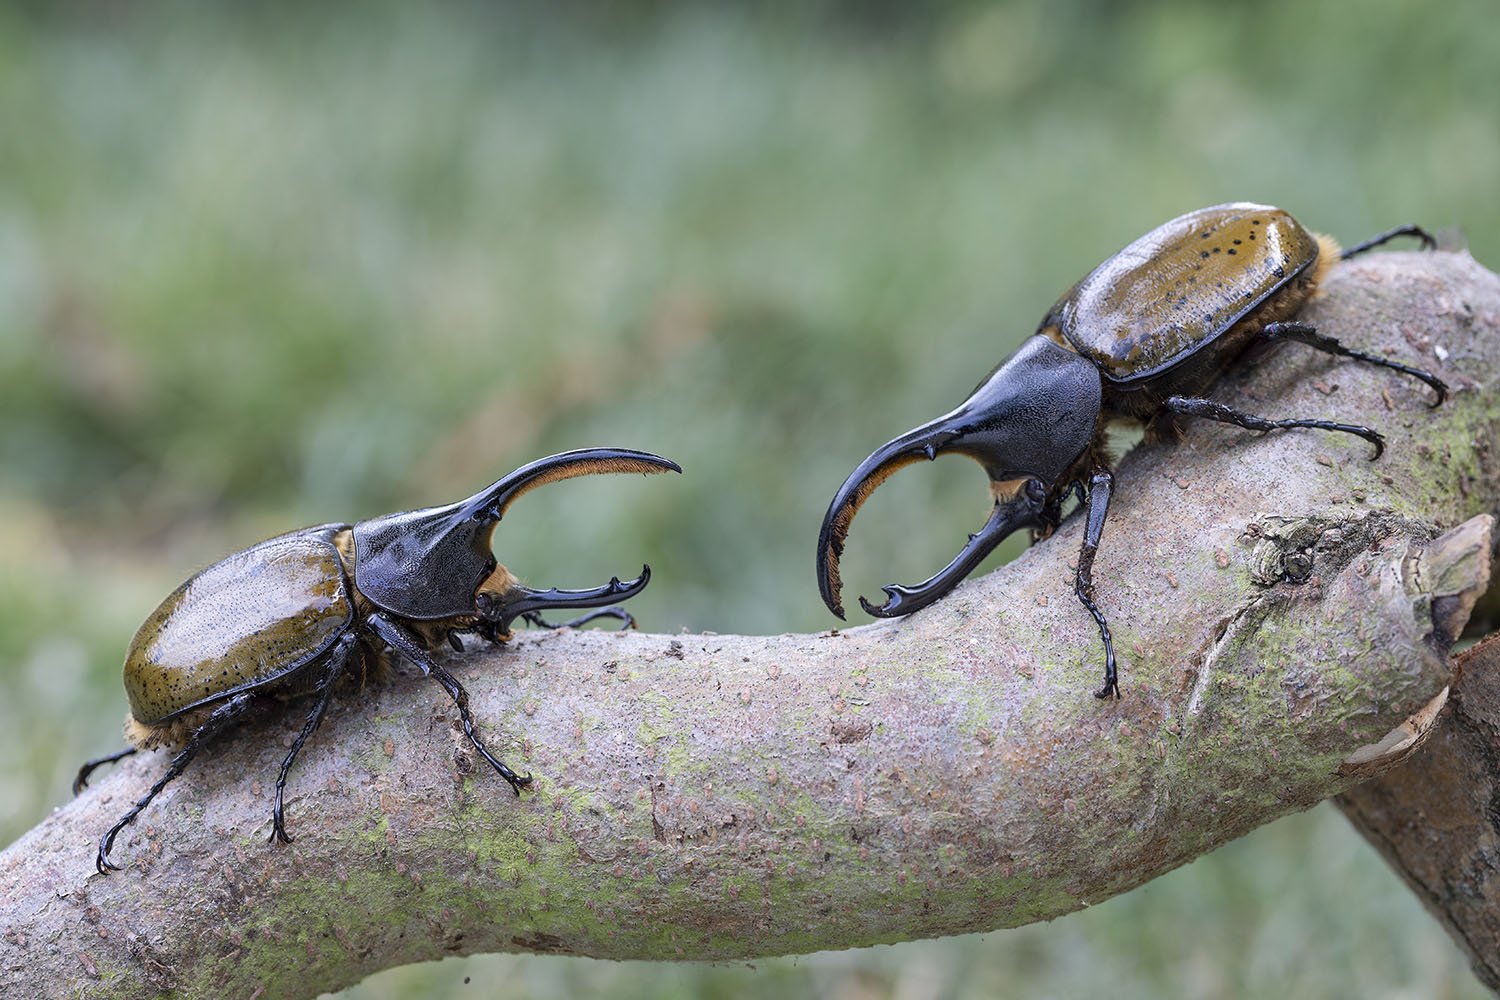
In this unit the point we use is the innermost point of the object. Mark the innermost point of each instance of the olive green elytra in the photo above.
(1183, 285)
(1142, 336)
(288, 600)
(294, 614)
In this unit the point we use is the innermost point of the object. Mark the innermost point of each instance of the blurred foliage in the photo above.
(265, 265)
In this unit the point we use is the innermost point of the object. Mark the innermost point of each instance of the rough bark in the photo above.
(707, 796)
(1437, 818)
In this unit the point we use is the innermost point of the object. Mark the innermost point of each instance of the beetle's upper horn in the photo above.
(425, 564)
(490, 504)
(914, 446)
(1029, 419)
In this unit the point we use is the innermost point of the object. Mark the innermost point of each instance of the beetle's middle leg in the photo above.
(1096, 509)
(1309, 335)
(221, 717)
(338, 657)
(613, 611)
(409, 646)
(1195, 407)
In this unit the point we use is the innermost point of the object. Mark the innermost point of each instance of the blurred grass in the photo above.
(265, 266)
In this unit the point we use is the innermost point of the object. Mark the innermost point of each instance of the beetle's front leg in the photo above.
(338, 658)
(613, 611)
(408, 645)
(1051, 513)
(1096, 509)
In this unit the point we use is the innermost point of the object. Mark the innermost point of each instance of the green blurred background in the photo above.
(263, 266)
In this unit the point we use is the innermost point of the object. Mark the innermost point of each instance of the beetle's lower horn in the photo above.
(1006, 518)
(926, 442)
(520, 600)
(490, 504)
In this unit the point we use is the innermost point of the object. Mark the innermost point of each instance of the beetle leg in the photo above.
(1428, 243)
(1096, 508)
(613, 611)
(82, 781)
(1194, 407)
(410, 647)
(337, 660)
(221, 717)
(1309, 335)
(1052, 511)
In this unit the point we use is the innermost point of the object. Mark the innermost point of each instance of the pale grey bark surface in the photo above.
(706, 796)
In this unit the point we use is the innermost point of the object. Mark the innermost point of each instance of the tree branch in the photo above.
(708, 796)
(1437, 818)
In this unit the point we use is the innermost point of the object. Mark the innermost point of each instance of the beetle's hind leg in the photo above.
(1096, 509)
(82, 781)
(338, 658)
(1428, 243)
(217, 721)
(1194, 407)
(613, 611)
(1309, 335)
(411, 647)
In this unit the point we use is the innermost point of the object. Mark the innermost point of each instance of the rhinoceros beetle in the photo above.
(291, 615)
(1141, 337)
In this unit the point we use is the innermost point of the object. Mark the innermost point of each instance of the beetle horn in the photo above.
(913, 446)
(490, 504)
(1005, 518)
(1026, 423)
(521, 600)
(924, 443)
(427, 564)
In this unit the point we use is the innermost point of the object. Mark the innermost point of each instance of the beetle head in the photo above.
(1027, 423)
(428, 564)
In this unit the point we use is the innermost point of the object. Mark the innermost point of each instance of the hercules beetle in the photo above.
(1140, 337)
(290, 615)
